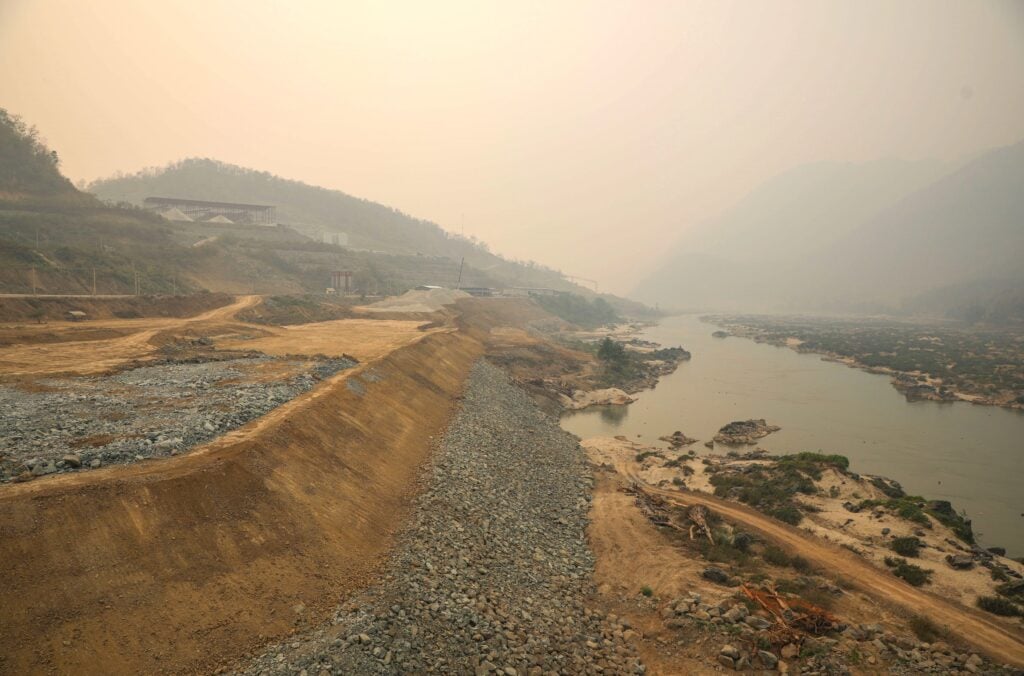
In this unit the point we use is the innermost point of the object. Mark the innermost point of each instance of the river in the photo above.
(971, 455)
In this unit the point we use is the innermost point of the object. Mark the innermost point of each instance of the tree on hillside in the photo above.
(26, 164)
(611, 351)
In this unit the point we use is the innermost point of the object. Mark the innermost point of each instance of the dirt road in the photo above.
(987, 634)
(135, 339)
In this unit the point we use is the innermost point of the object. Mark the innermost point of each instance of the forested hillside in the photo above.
(55, 239)
(312, 209)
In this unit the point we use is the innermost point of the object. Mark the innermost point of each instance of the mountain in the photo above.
(29, 171)
(58, 240)
(314, 210)
(965, 229)
(884, 236)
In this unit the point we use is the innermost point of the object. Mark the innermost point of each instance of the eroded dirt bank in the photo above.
(186, 564)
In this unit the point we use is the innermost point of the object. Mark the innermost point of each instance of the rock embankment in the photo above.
(744, 432)
(492, 572)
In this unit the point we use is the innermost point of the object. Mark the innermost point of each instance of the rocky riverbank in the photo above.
(492, 574)
(962, 364)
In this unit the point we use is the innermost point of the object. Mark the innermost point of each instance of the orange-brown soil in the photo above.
(184, 564)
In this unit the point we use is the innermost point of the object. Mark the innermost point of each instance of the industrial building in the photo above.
(176, 209)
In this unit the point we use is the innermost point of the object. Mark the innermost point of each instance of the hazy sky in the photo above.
(586, 135)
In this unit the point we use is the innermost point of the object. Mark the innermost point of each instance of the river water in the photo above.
(971, 455)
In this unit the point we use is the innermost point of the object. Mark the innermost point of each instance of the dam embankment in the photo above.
(184, 564)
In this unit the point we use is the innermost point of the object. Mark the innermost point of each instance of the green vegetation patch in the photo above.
(917, 509)
(1000, 606)
(925, 630)
(812, 463)
(576, 309)
(627, 369)
(915, 575)
(771, 488)
(908, 546)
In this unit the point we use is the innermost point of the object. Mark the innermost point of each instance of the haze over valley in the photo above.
(511, 339)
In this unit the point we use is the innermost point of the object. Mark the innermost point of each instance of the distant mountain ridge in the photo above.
(872, 237)
(55, 239)
(369, 225)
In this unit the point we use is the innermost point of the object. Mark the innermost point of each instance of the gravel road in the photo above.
(492, 573)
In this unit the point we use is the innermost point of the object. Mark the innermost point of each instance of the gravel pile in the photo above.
(147, 412)
(422, 300)
(492, 573)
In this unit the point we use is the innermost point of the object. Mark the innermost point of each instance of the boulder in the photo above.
(735, 614)
(960, 561)
(757, 622)
(40, 468)
(72, 460)
(768, 660)
(715, 575)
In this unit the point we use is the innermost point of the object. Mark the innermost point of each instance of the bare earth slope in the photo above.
(186, 563)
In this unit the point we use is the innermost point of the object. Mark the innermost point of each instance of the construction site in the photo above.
(370, 494)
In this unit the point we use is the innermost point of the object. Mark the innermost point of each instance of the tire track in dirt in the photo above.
(97, 356)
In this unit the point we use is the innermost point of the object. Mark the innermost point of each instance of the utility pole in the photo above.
(94, 281)
(174, 285)
(458, 284)
(33, 280)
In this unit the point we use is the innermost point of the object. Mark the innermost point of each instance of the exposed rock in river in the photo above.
(677, 439)
(745, 432)
(583, 399)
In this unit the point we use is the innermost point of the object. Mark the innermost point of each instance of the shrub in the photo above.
(787, 513)
(776, 556)
(800, 564)
(999, 606)
(787, 586)
(640, 457)
(908, 546)
(811, 463)
(924, 629)
(1009, 588)
(819, 597)
(647, 591)
(611, 351)
(914, 575)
